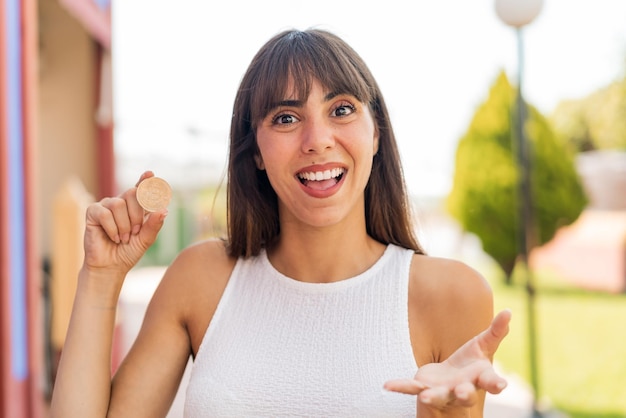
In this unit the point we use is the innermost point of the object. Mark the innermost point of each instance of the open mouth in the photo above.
(321, 180)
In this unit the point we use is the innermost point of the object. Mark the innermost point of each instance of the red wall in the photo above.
(20, 364)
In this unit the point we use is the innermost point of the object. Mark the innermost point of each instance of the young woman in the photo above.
(320, 302)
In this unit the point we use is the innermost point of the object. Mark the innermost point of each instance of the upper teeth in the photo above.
(321, 175)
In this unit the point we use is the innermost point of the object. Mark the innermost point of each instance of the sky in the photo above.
(177, 65)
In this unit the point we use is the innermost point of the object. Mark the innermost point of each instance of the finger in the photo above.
(490, 381)
(151, 227)
(489, 340)
(465, 394)
(135, 211)
(99, 216)
(144, 175)
(406, 386)
(438, 396)
(119, 210)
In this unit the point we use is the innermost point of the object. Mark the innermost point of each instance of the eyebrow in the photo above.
(288, 103)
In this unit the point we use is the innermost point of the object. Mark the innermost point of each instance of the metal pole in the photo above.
(526, 229)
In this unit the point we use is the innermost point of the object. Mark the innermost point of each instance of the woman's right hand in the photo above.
(118, 232)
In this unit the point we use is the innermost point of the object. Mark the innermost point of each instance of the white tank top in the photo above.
(278, 347)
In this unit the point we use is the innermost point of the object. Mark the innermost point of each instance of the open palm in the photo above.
(455, 381)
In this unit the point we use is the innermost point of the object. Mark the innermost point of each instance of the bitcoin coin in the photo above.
(154, 194)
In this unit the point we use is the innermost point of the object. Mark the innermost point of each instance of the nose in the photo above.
(317, 136)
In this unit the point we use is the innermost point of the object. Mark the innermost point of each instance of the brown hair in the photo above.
(304, 56)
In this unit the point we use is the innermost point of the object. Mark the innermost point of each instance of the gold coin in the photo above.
(154, 194)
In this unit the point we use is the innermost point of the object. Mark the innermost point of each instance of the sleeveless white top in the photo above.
(278, 347)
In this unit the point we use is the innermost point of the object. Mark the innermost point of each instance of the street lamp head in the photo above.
(518, 13)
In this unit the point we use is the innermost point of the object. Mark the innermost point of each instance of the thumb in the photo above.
(151, 227)
(490, 339)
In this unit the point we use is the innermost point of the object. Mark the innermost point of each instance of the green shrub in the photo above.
(484, 196)
(595, 122)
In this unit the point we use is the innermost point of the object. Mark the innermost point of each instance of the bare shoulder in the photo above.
(198, 257)
(193, 285)
(202, 265)
(449, 281)
(449, 303)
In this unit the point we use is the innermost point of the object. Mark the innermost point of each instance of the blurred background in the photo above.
(95, 92)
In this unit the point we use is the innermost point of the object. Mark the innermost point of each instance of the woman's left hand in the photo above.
(457, 380)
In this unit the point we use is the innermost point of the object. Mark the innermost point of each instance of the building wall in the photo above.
(20, 328)
(603, 175)
(48, 136)
(67, 95)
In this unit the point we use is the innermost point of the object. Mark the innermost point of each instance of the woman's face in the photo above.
(318, 156)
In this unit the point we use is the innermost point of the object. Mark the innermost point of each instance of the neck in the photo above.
(326, 254)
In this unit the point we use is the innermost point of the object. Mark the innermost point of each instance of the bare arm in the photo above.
(82, 386)
(457, 340)
(148, 379)
(116, 236)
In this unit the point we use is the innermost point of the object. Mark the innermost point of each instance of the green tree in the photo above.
(595, 122)
(484, 196)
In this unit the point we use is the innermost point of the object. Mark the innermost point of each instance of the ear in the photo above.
(259, 161)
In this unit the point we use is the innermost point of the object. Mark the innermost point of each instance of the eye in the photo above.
(284, 119)
(344, 109)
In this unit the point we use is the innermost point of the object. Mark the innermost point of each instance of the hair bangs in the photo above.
(296, 61)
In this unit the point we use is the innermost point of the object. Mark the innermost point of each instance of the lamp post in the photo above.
(517, 14)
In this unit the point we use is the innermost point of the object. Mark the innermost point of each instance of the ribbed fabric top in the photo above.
(278, 347)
